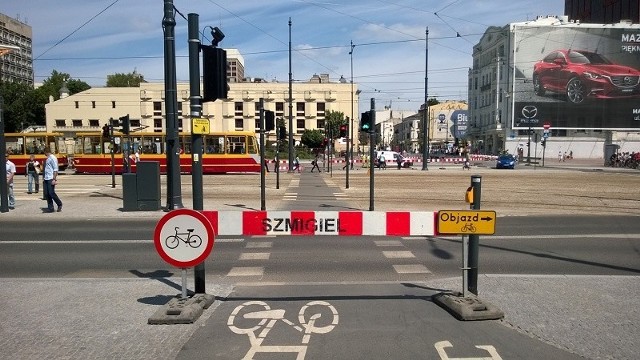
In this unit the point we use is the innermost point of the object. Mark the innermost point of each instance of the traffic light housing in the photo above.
(365, 121)
(106, 133)
(214, 73)
(124, 122)
(269, 120)
(282, 132)
(543, 142)
(343, 131)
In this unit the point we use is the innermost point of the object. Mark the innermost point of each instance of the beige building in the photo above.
(91, 109)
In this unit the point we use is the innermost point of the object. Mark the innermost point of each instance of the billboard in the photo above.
(576, 77)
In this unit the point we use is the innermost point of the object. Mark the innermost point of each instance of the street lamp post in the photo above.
(351, 134)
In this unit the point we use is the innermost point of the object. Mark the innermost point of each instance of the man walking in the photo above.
(11, 172)
(50, 180)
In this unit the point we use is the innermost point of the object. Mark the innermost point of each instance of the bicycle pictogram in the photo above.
(468, 227)
(263, 318)
(172, 241)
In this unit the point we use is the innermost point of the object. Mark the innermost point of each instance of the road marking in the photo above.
(441, 345)
(411, 269)
(398, 254)
(254, 256)
(218, 240)
(77, 242)
(246, 271)
(259, 245)
(383, 243)
(264, 319)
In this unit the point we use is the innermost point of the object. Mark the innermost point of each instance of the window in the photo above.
(236, 145)
(213, 144)
(300, 126)
(239, 124)
(113, 104)
(134, 123)
(77, 105)
(93, 104)
(300, 107)
(157, 106)
(94, 123)
(77, 123)
(280, 106)
(321, 107)
(320, 124)
(60, 123)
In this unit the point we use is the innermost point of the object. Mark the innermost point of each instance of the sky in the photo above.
(91, 39)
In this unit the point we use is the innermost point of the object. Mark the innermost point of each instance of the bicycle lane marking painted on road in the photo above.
(264, 319)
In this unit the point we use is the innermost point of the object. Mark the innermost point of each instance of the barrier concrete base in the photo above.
(182, 311)
(467, 308)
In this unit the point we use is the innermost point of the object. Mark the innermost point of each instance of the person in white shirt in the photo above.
(11, 172)
(50, 180)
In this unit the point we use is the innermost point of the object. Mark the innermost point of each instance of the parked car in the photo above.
(506, 161)
(582, 75)
(392, 156)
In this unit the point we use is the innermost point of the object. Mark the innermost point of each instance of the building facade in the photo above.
(17, 65)
(602, 11)
(551, 78)
(91, 109)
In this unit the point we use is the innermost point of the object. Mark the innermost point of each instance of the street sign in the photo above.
(464, 222)
(199, 126)
(184, 238)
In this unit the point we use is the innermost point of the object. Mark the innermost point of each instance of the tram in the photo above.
(223, 152)
(20, 146)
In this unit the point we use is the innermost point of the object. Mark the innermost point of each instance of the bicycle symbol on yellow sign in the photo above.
(466, 222)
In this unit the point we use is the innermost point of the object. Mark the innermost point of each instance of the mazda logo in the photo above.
(529, 111)
(627, 80)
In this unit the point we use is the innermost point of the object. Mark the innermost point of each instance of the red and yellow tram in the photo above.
(20, 146)
(223, 152)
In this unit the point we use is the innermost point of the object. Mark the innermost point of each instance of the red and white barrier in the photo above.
(343, 223)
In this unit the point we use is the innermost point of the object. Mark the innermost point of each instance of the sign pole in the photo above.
(465, 265)
(474, 240)
(184, 283)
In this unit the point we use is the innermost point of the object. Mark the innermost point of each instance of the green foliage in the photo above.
(312, 138)
(52, 85)
(18, 109)
(125, 80)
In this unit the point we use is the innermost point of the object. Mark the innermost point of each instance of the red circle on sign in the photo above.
(546, 126)
(197, 216)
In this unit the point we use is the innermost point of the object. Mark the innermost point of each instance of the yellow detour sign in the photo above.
(466, 222)
(199, 126)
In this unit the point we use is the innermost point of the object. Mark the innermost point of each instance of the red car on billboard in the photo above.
(582, 75)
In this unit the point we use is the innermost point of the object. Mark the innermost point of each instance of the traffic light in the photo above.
(105, 131)
(365, 121)
(543, 142)
(214, 73)
(269, 120)
(124, 121)
(282, 132)
(343, 131)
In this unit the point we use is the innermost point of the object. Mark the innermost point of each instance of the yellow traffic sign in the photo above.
(199, 126)
(464, 222)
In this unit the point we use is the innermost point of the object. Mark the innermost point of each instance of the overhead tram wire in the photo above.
(76, 30)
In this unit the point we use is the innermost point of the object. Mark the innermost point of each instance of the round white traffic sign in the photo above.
(184, 238)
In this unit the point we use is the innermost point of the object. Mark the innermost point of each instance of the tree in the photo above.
(332, 122)
(125, 80)
(19, 111)
(52, 85)
(312, 138)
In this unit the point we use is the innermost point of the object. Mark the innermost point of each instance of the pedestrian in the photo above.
(11, 172)
(296, 164)
(266, 165)
(315, 164)
(51, 180)
(399, 161)
(559, 155)
(33, 174)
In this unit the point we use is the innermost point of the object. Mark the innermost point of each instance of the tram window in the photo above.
(91, 145)
(214, 144)
(35, 145)
(253, 146)
(185, 144)
(236, 144)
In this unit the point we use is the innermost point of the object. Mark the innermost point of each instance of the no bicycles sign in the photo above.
(184, 238)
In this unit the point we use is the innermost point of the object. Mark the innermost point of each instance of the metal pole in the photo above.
(263, 205)
(4, 187)
(351, 134)
(174, 197)
(290, 105)
(195, 108)
(372, 138)
(184, 283)
(465, 265)
(425, 114)
(113, 150)
(474, 240)
(529, 145)
(277, 160)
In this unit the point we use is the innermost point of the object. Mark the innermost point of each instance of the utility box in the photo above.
(148, 185)
(129, 192)
(141, 190)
